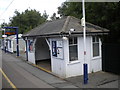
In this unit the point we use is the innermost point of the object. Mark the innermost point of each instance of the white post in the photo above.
(84, 30)
(85, 67)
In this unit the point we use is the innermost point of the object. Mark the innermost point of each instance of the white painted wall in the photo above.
(13, 45)
(64, 68)
(31, 55)
(58, 65)
(75, 68)
(96, 62)
(22, 45)
(96, 65)
(10, 49)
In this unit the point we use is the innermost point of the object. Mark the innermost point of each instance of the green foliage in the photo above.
(70, 9)
(27, 20)
(54, 17)
(3, 25)
(104, 14)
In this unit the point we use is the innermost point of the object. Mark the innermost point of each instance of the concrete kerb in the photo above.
(43, 69)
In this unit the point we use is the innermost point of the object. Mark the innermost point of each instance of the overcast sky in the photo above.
(7, 7)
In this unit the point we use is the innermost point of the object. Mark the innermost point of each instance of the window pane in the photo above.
(95, 49)
(10, 43)
(97, 39)
(75, 40)
(70, 41)
(93, 39)
(73, 53)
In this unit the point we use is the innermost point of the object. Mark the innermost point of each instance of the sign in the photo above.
(59, 44)
(10, 33)
(54, 49)
(57, 49)
(60, 52)
(82, 22)
(30, 42)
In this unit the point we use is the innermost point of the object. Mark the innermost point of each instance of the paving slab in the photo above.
(63, 85)
(40, 74)
(95, 80)
(30, 74)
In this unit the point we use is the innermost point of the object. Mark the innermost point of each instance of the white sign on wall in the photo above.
(60, 49)
(60, 53)
(59, 43)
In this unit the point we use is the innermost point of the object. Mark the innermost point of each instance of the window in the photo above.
(95, 42)
(73, 50)
(10, 43)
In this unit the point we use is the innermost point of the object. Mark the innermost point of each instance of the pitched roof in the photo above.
(62, 26)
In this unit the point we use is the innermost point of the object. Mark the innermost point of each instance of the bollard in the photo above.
(85, 73)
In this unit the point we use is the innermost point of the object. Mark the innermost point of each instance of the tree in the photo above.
(102, 14)
(45, 16)
(27, 20)
(54, 17)
(3, 25)
(72, 9)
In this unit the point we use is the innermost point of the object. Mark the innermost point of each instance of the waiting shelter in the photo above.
(61, 41)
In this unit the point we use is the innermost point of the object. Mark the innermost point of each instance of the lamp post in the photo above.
(85, 66)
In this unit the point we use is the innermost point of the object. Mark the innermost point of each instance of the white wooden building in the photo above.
(55, 41)
(10, 42)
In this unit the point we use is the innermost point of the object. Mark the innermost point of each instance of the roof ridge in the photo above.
(65, 24)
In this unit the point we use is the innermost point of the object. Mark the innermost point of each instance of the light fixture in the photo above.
(19, 35)
(71, 30)
(3, 29)
(65, 38)
(4, 36)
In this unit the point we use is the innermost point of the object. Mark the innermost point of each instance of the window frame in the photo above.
(74, 43)
(99, 44)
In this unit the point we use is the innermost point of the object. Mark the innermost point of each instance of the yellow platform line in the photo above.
(41, 68)
(12, 85)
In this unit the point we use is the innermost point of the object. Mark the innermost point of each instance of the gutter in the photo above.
(67, 34)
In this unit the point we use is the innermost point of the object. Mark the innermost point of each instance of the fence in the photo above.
(110, 58)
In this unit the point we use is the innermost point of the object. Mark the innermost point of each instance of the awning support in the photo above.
(48, 43)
